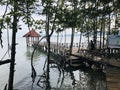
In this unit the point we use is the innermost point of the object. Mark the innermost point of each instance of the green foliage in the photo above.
(70, 13)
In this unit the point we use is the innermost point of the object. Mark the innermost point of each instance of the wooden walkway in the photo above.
(59, 48)
(95, 57)
(98, 57)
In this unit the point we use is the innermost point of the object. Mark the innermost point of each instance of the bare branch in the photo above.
(1, 25)
(33, 69)
(5, 61)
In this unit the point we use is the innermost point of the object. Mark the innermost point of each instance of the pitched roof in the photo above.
(32, 33)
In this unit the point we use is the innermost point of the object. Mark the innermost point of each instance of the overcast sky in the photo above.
(24, 27)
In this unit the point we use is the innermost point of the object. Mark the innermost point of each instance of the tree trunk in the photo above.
(73, 28)
(115, 20)
(65, 36)
(109, 31)
(80, 38)
(48, 53)
(103, 32)
(95, 32)
(101, 29)
(57, 40)
(87, 29)
(13, 50)
(109, 25)
(95, 26)
(72, 39)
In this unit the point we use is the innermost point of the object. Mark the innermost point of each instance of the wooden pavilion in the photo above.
(32, 37)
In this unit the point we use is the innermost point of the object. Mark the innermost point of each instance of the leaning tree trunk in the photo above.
(13, 50)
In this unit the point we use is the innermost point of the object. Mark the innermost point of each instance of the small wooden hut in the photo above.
(32, 37)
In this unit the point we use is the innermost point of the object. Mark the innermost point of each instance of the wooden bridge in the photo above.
(90, 58)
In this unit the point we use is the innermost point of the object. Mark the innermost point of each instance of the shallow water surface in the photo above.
(80, 79)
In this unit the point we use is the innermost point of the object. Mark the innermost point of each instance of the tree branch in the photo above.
(5, 61)
(1, 24)
(33, 75)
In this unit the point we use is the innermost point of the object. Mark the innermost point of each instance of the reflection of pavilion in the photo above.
(29, 52)
(31, 37)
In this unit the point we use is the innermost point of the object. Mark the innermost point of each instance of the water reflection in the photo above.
(84, 80)
(91, 80)
(29, 53)
(77, 80)
(80, 79)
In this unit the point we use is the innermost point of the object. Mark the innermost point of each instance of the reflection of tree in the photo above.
(73, 79)
(42, 81)
(88, 79)
(29, 53)
(98, 79)
(92, 80)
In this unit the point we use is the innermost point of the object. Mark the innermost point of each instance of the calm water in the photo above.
(82, 79)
